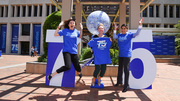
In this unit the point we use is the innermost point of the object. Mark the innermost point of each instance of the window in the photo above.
(6, 11)
(18, 11)
(151, 11)
(170, 11)
(29, 11)
(35, 11)
(151, 25)
(145, 13)
(165, 11)
(47, 11)
(165, 26)
(13, 11)
(177, 11)
(24, 11)
(145, 25)
(26, 29)
(53, 8)
(157, 25)
(40, 11)
(2, 11)
(171, 26)
(127, 9)
(157, 10)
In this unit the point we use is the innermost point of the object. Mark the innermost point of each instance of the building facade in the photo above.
(162, 13)
(21, 21)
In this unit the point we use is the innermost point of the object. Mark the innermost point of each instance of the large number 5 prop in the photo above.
(147, 61)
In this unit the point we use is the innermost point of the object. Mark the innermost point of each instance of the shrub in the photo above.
(177, 46)
(177, 40)
(86, 53)
(43, 58)
(82, 52)
(114, 56)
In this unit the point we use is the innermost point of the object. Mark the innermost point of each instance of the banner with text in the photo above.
(3, 29)
(37, 36)
(14, 44)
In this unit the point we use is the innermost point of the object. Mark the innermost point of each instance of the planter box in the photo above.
(110, 70)
(36, 67)
(40, 68)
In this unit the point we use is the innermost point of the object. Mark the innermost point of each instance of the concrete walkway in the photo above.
(16, 85)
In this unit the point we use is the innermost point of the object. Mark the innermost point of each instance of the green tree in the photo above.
(177, 40)
(51, 22)
(177, 25)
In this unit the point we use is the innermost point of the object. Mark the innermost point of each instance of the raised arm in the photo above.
(139, 28)
(114, 32)
(57, 30)
(81, 31)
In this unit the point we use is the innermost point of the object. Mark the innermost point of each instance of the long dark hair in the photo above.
(66, 23)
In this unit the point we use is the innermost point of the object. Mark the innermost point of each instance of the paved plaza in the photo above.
(16, 85)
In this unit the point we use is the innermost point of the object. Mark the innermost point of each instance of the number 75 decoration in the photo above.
(142, 65)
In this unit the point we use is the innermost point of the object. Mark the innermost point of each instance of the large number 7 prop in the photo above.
(143, 64)
(55, 60)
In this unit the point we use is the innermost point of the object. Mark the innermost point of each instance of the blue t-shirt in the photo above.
(101, 51)
(70, 40)
(124, 43)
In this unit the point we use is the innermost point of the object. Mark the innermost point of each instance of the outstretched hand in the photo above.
(141, 21)
(61, 24)
(81, 26)
(115, 26)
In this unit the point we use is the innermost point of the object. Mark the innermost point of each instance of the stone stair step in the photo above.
(166, 56)
(167, 60)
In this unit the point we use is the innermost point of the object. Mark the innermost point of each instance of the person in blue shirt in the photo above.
(100, 46)
(125, 52)
(35, 51)
(32, 51)
(70, 35)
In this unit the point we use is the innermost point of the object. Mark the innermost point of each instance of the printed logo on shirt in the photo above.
(122, 38)
(72, 35)
(101, 44)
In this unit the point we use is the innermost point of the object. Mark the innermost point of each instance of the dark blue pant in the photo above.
(123, 64)
(101, 69)
(67, 61)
